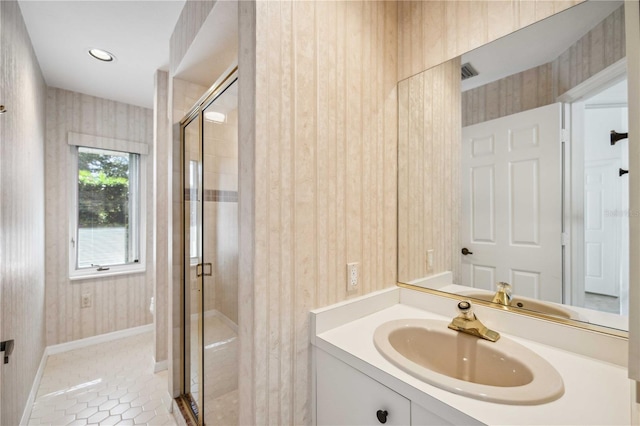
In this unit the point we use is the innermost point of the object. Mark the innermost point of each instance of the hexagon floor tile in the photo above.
(105, 384)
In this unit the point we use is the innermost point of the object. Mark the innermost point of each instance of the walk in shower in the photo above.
(209, 141)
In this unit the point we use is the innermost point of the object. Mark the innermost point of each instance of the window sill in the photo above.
(113, 272)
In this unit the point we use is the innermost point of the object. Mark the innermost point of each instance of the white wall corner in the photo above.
(28, 408)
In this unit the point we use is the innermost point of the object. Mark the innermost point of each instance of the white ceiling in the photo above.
(536, 44)
(136, 32)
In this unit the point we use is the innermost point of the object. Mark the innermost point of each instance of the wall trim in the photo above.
(101, 338)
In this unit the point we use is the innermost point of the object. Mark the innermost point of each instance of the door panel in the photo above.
(483, 212)
(601, 230)
(527, 283)
(511, 203)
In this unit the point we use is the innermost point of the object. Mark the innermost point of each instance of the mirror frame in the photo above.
(632, 111)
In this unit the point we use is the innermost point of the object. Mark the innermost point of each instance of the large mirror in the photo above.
(508, 170)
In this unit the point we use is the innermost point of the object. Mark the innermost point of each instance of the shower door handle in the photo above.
(204, 269)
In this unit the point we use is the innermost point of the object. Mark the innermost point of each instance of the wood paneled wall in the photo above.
(318, 162)
(432, 32)
(161, 208)
(604, 45)
(193, 15)
(429, 172)
(317, 182)
(22, 212)
(516, 93)
(601, 47)
(119, 302)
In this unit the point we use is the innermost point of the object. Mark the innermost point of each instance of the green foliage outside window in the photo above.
(103, 190)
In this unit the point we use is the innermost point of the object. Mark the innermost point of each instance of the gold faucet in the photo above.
(503, 295)
(467, 322)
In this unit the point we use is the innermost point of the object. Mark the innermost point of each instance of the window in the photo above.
(106, 218)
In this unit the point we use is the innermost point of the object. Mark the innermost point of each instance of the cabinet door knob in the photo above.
(382, 416)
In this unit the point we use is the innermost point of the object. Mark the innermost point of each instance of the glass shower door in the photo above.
(193, 268)
(220, 247)
(210, 234)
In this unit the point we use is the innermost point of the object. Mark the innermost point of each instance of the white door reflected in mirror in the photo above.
(511, 203)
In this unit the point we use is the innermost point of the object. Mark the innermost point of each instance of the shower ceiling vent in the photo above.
(468, 71)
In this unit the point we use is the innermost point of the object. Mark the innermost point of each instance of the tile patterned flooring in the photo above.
(602, 303)
(108, 383)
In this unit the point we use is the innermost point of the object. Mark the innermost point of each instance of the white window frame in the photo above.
(76, 141)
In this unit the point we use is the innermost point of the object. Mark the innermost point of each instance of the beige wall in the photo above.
(428, 172)
(601, 47)
(119, 302)
(318, 140)
(161, 197)
(432, 32)
(22, 199)
(193, 15)
(317, 182)
(516, 93)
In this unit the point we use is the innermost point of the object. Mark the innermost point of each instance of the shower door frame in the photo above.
(197, 111)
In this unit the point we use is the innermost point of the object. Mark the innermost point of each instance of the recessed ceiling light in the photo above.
(101, 55)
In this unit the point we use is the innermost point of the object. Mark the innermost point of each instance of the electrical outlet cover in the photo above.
(352, 276)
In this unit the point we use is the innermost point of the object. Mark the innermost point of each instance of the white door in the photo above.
(512, 203)
(601, 226)
(605, 199)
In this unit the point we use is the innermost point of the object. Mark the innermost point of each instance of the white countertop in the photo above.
(596, 392)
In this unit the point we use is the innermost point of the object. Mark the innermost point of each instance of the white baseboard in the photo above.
(101, 338)
(26, 414)
(68, 346)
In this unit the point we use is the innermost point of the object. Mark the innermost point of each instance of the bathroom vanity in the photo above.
(354, 383)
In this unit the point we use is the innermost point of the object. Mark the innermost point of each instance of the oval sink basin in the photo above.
(503, 371)
(529, 304)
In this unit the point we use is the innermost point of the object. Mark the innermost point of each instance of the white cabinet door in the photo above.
(420, 416)
(512, 203)
(345, 396)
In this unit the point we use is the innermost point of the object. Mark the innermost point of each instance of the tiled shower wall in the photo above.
(118, 302)
(221, 214)
(22, 211)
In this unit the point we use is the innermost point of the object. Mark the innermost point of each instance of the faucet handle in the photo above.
(465, 309)
(504, 287)
(503, 294)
